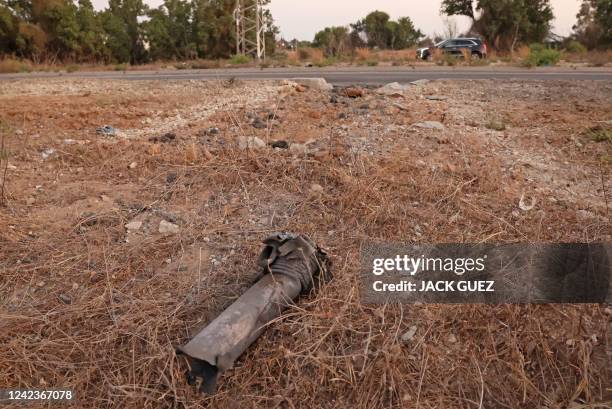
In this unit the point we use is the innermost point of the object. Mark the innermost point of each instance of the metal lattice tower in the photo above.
(250, 28)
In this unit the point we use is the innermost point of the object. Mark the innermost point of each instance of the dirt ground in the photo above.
(95, 298)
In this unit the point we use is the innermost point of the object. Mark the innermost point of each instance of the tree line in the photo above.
(127, 31)
(503, 24)
(376, 30)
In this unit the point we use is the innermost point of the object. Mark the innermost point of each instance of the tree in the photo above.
(169, 30)
(504, 23)
(593, 27)
(334, 40)
(125, 39)
(403, 34)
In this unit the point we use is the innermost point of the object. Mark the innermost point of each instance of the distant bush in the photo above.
(239, 59)
(10, 65)
(371, 63)
(540, 55)
(121, 67)
(575, 47)
(72, 68)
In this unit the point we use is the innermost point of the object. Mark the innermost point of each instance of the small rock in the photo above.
(451, 338)
(132, 165)
(420, 82)
(354, 92)
(523, 204)
(168, 228)
(69, 142)
(65, 299)
(393, 89)
(280, 144)
(314, 83)
(47, 153)
(75, 286)
(300, 88)
(133, 225)
(333, 99)
(40, 284)
(259, 124)
(107, 130)
(430, 125)
(251, 142)
(342, 115)
(298, 148)
(436, 98)
(212, 131)
(364, 106)
(171, 177)
(316, 188)
(30, 201)
(409, 335)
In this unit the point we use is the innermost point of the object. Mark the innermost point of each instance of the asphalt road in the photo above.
(341, 76)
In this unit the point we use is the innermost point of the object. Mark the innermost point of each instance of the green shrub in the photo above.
(539, 55)
(371, 63)
(575, 47)
(72, 68)
(239, 59)
(121, 67)
(599, 134)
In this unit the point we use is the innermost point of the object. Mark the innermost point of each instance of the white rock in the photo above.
(134, 225)
(297, 148)
(133, 165)
(314, 83)
(392, 89)
(420, 82)
(408, 335)
(316, 188)
(252, 142)
(430, 125)
(47, 153)
(168, 228)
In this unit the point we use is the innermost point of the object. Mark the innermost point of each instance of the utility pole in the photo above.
(250, 28)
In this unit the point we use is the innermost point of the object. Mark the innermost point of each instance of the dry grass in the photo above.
(113, 343)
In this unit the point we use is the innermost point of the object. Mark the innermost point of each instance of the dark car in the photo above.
(456, 46)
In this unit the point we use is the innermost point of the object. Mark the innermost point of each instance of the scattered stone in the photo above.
(212, 131)
(280, 144)
(333, 99)
(65, 299)
(314, 83)
(298, 148)
(300, 88)
(364, 106)
(451, 338)
(69, 142)
(30, 201)
(40, 284)
(168, 228)
(316, 188)
(399, 106)
(393, 89)
(354, 92)
(252, 142)
(75, 286)
(436, 98)
(133, 165)
(524, 206)
(165, 138)
(409, 335)
(133, 225)
(171, 177)
(342, 115)
(584, 215)
(259, 124)
(47, 153)
(106, 130)
(420, 82)
(430, 125)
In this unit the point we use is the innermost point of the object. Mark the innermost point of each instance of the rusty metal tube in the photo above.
(291, 265)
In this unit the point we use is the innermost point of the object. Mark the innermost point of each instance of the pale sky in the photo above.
(301, 19)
